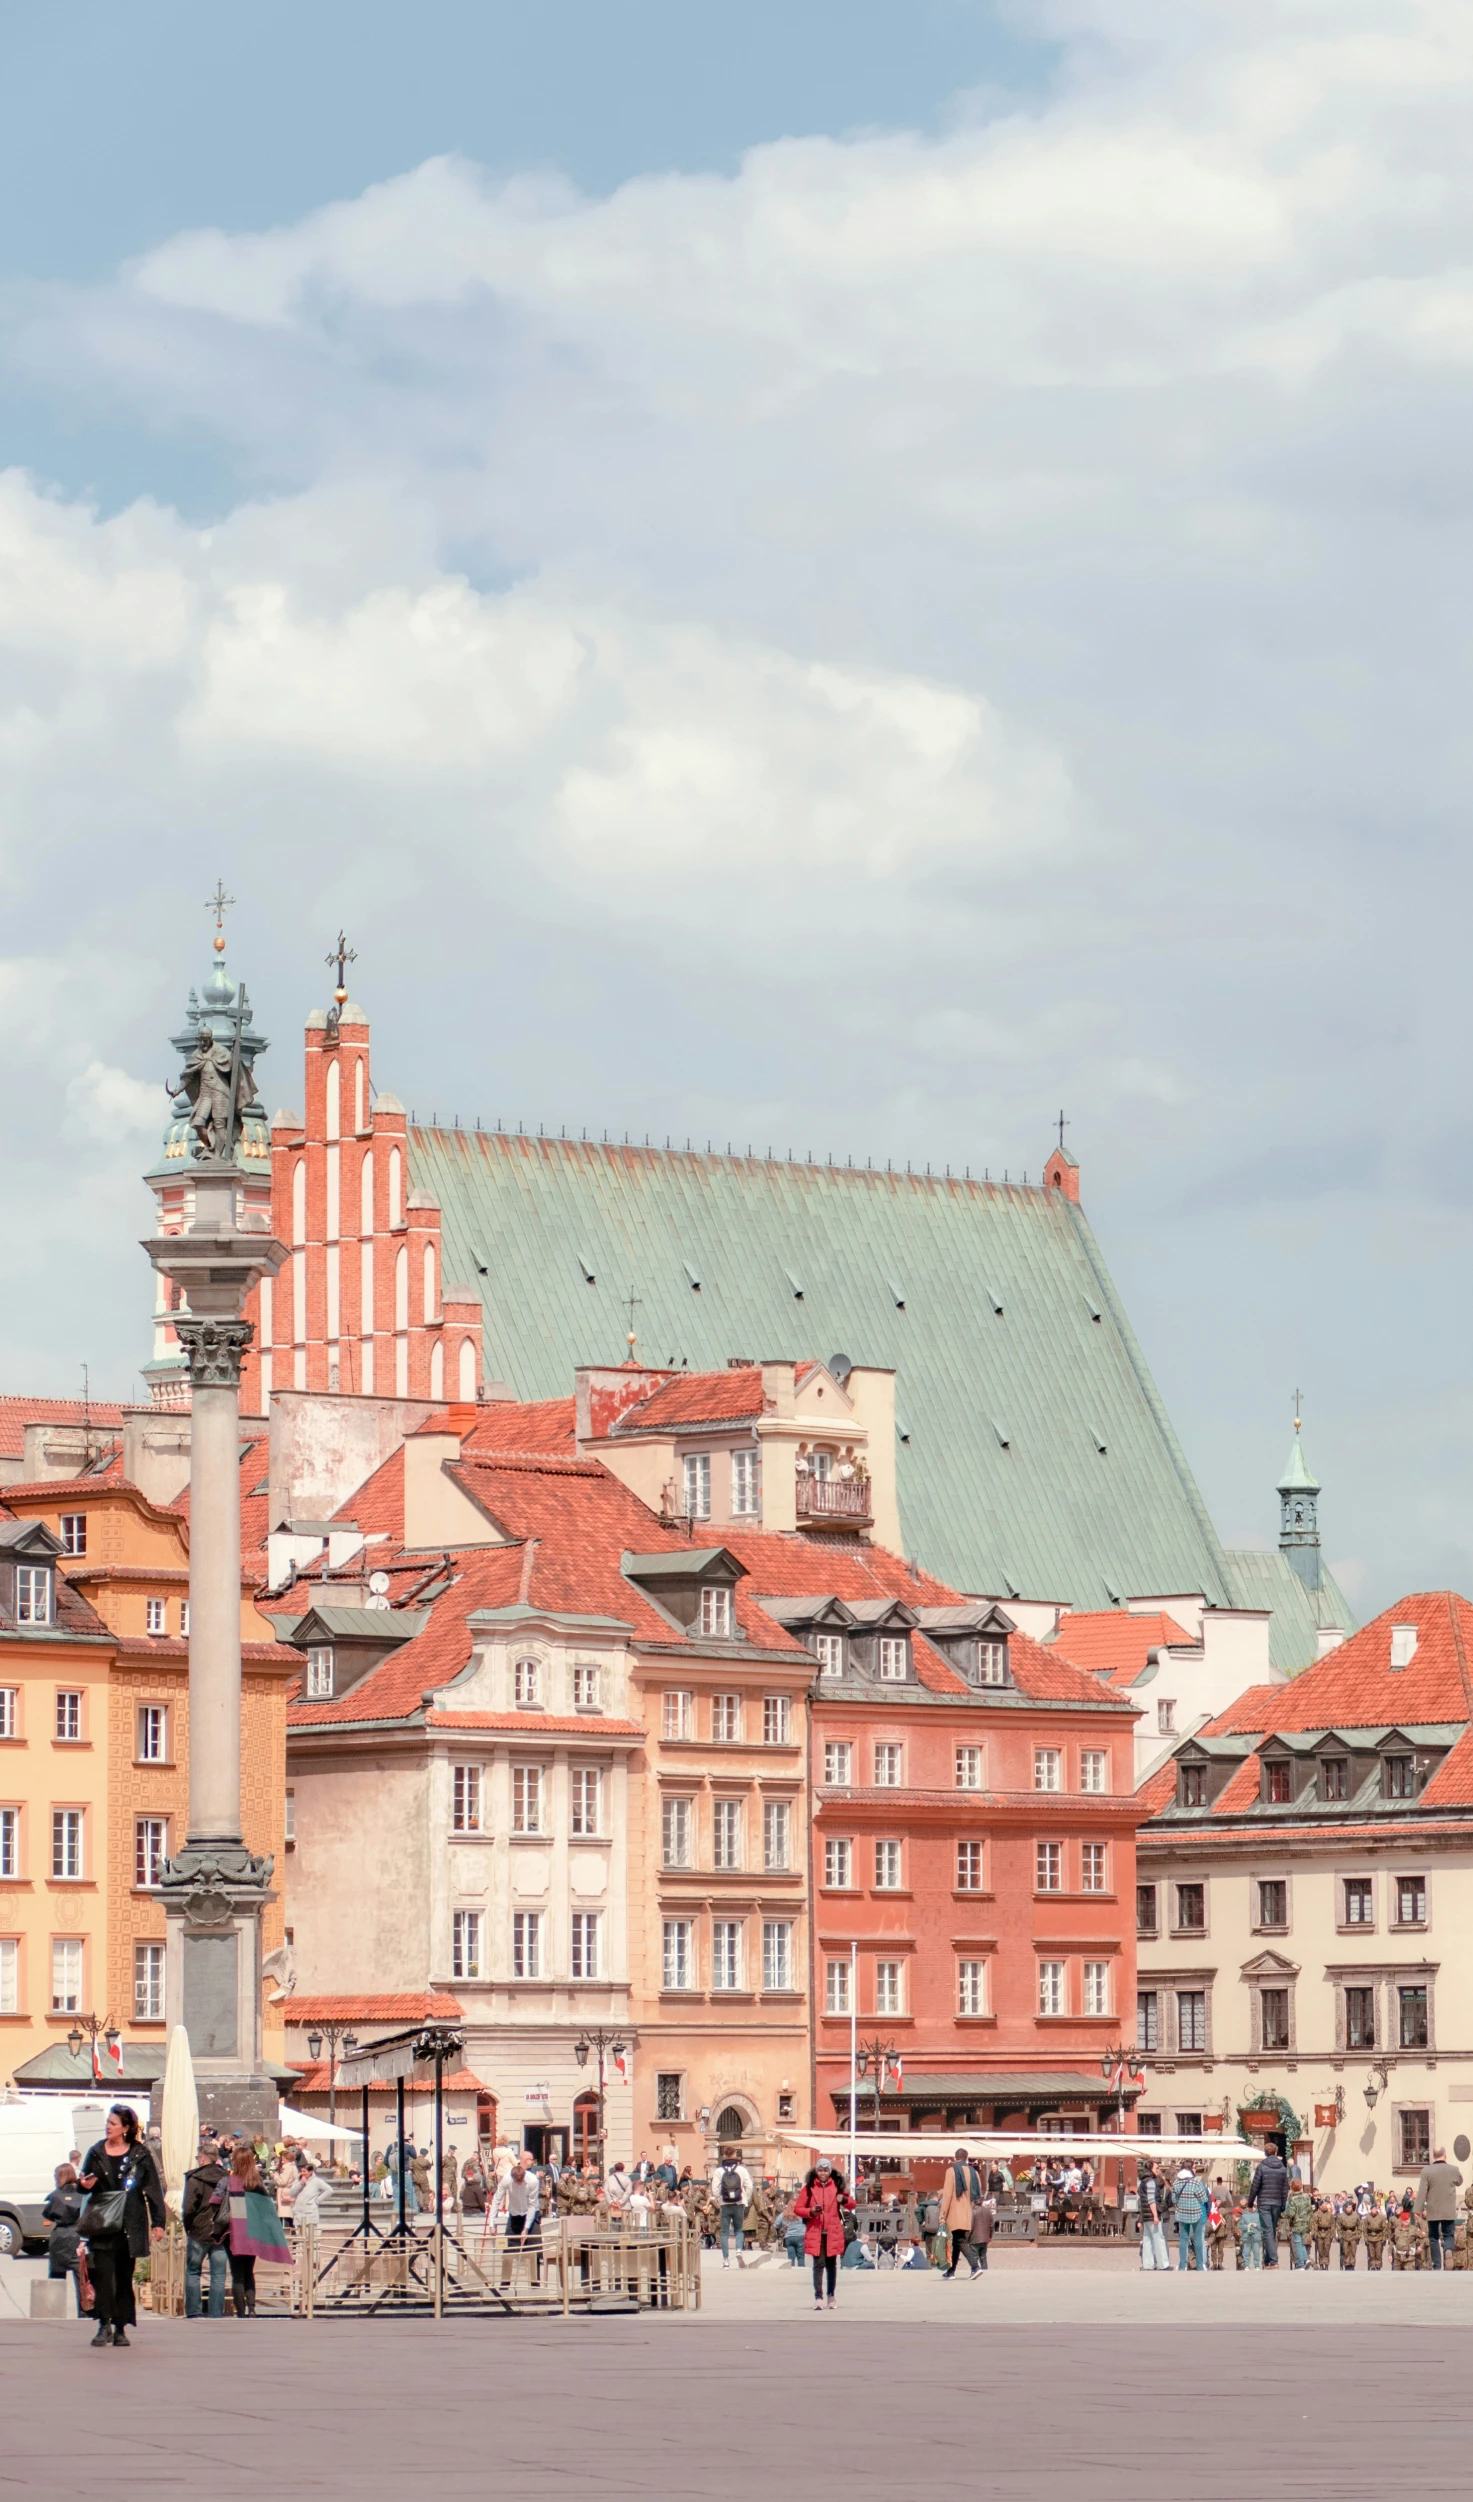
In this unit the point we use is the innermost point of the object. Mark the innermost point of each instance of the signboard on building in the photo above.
(539, 2093)
(1325, 2115)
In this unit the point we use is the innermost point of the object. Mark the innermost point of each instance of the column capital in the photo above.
(214, 1348)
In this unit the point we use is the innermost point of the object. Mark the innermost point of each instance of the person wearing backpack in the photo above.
(733, 2196)
(206, 2218)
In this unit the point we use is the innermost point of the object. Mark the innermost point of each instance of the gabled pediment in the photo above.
(1269, 1967)
(29, 1538)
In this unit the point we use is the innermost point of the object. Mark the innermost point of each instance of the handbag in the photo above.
(107, 2213)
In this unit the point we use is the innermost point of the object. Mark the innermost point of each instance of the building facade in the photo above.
(1305, 1885)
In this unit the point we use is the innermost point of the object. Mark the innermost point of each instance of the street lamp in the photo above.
(606, 2045)
(335, 2033)
(86, 2028)
(1381, 2068)
(1115, 2065)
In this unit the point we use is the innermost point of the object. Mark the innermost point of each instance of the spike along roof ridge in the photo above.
(749, 1154)
(1035, 1455)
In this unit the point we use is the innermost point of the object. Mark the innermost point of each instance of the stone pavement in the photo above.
(1051, 2376)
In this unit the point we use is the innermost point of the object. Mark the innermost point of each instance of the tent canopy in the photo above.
(312, 2124)
(932, 2146)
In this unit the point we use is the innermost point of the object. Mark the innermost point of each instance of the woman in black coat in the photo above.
(119, 2160)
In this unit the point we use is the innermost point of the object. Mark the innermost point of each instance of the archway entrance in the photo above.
(731, 2125)
(585, 2129)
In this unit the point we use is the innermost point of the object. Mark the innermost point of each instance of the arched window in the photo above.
(401, 1289)
(467, 1368)
(437, 1370)
(429, 1310)
(396, 1186)
(334, 1123)
(360, 1089)
(365, 1195)
(585, 2129)
(299, 1200)
(731, 2125)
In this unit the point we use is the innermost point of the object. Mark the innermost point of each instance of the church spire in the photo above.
(1299, 1523)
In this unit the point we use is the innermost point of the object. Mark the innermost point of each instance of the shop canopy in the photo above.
(932, 2145)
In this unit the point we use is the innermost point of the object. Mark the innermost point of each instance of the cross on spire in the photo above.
(1063, 1125)
(342, 955)
(635, 1303)
(219, 903)
(1298, 1405)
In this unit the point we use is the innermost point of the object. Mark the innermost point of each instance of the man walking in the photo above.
(206, 2220)
(1268, 2191)
(1189, 2198)
(1154, 2253)
(1437, 2200)
(734, 2196)
(961, 2195)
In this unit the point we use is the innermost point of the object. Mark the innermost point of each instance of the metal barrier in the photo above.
(573, 2264)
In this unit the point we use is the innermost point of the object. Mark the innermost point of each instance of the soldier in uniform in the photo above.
(1403, 2240)
(1424, 2243)
(1219, 2230)
(1323, 2232)
(1375, 2232)
(1347, 2232)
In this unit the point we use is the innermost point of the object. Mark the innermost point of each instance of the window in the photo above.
(69, 1716)
(1092, 1769)
(887, 1989)
(585, 1687)
(148, 1985)
(677, 1966)
(153, 1615)
(1273, 1903)
(465, 1945)
(74, 1533)
(887, 1767)
(1401, 1776)
(1189, 2123)
(33, 1594)
(836, 1988)
(1048, 1868)
(1360, 2019)
(526, 1945)
(9, 1711)
(1274, 2010)
(1145, 1911)
(838, 1764)
(971, 1987)
(668, 2102)
(585, 1946)
(777, 1954)
(1359, 1907)
(726, 1833)
(9, 1841)
(1046, 1764)
(892, 1658)
(1191, 1906)
(1092, 1867)
(675, 1716)
(9, 1976)
(1333, 1777)
(183, 1619)
(66, 1841)
(1194, 1785)
(992, 1663)
(588, 1799)
(1148, 2123)
(1411, 2009)
(829, 1652)
(887, 1867)
(1411, 1902)
(675, 1830)
(1148, 2020)
(526, 1684)
(776, 1825)
(1050, 1989)
(1416, 2139)
(838, 1861)
(465, 1809)
(1096, 1989)
(1403, 1645)
(746, 1491)
(969, 1767)
(716, 1619)
(319, 1670)
(153, 1733)
(776, 1720)
(969, 1867)
(1278, 1782)
(1191, 2019)
(726, 1719)
(1165, 1718)
(526, 1798)
(698, 1485)
(726, 1954)
(289, 1830)
(66, 1975)
(150, 1849)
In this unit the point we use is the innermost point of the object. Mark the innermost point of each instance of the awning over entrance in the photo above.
(1033, 2089)
(57, 2070)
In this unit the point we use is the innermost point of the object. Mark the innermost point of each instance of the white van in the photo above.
(37, 2134)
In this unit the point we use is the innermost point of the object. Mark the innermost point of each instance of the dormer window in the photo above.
(1278, 1782)
(1193, 1785)
(1334, 1778)
(894, 1659)
(33, 1594)
(992, 1663)
(1403, 1645)
(319, 1671)
(716, 1619)
(829, 1649)
(526, 1681)
(1401, 1777)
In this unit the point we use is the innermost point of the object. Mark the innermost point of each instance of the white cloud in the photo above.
(113, 1108)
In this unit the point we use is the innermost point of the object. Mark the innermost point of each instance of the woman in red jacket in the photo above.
(821, 2202)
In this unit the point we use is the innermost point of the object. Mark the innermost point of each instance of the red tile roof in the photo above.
(1355, 1686)
(1115, 1643)
(409, 2006)
(17, 1411)
(517, 1425)
(699, 1399)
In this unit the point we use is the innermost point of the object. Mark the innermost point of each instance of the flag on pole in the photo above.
(115, 2053)
(96, 2063)
(624, 2065)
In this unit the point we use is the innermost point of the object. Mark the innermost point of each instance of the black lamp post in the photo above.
(606, 2045)
(85, 2028)
(335, 2033)
(1120, 2063)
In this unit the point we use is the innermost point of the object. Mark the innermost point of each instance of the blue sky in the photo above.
(838, 575)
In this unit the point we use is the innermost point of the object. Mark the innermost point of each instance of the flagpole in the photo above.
(853, 2064)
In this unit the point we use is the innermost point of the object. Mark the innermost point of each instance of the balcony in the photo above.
(835, 1502)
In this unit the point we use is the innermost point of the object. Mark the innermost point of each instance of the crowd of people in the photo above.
(1419, 2227)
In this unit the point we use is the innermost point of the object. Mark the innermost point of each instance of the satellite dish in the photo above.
(381, 1603)
(378, 1582)
(841, 1368)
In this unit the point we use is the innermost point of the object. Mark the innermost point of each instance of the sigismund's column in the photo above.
(213, 1187)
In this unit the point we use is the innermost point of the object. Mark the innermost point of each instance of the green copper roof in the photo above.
(1298, 1477)
(1259, 1578)
(1037, 1459)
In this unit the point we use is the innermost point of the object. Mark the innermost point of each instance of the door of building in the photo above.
(546, 2145)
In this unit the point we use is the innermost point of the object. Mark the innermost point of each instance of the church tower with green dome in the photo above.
(1299, 1516)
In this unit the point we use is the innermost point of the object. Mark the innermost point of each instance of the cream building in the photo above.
(1305, 1892)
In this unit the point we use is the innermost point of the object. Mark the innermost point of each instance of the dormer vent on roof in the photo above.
(1403, 1645)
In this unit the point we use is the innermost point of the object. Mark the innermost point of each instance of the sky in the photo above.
(845, 575)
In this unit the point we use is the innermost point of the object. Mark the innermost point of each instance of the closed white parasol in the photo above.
(181, 2119)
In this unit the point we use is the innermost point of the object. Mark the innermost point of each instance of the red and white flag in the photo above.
(115, 2053)
(624, 2065)
(96, 2062)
